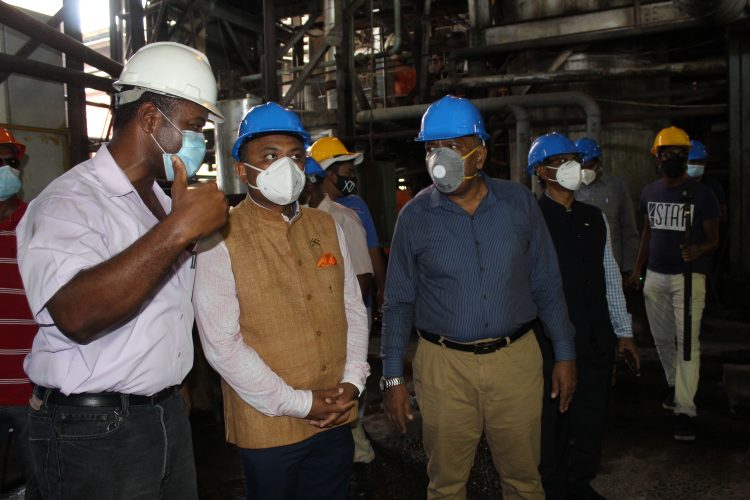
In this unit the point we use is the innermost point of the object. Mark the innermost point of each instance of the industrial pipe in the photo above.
(18, 20)
(723, 11)
(523, 142)
(702, 68)
(21, 65)
(396, 48)
(575, 39)
(579, 99)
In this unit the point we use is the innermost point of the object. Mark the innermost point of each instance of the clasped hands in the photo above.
(331, 407)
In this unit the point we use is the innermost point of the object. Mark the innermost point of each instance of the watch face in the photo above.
(382, 383)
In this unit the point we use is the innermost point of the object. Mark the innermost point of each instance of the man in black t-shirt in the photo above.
(663, 246)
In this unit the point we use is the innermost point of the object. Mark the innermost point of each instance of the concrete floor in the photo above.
(640, 458)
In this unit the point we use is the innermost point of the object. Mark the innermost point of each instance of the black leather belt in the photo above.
(485, 347)
(101, 399)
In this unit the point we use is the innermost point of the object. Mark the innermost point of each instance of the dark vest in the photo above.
(580, 236)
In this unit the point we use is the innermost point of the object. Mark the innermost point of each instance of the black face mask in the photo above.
(674, 166)
(348, 185)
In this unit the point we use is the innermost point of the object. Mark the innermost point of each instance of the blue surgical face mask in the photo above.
(10, 182)
(191, 153)
(694, 170)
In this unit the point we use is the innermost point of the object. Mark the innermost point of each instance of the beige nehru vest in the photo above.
(291, 313)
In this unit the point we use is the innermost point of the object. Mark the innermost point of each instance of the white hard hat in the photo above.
(172, 69)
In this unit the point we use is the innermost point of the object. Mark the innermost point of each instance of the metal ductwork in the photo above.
(723, 11)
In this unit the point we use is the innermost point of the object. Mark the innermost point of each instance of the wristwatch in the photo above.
(387, 383)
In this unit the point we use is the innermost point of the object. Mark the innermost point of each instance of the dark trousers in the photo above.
(132, 452)
(16, 417)
(316, 468)
(572, 441)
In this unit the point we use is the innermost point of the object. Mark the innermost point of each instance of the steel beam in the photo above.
(344, 72)
(115, 36)
(75, 94)
(135, 36)
(268, 61)
(20, 21)
(298, 35)
(300, 81)
(30, 46)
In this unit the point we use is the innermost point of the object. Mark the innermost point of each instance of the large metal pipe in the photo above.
(396, 48)
(24, 23)
(575, 39)
(23, 66)
(702, 68)
(523, 142)
(579, 99)
(723, 11)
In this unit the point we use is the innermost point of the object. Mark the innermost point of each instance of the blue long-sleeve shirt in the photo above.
(472, 277)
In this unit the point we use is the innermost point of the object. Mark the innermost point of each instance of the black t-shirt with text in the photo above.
(664, 207)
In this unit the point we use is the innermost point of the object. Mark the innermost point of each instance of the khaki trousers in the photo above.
(665, 307)
(461, 394)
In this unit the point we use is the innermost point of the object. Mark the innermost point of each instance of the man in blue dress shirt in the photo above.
(472, 267)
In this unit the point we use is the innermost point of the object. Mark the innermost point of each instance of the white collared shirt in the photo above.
(83, 218)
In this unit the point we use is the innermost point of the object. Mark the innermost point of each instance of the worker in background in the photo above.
(340, 184)
(696, 169)
(314, 196)
(663, 248)
(18, 323)
(571, 442)
(472, 267)
(610, 194)
(281, 319)
(105, 257)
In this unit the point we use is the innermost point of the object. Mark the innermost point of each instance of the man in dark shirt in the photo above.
(571, 442)
(664, 247)
(471, 267)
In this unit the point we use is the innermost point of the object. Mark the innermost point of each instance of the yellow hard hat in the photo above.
(670, 136)
(328, 150)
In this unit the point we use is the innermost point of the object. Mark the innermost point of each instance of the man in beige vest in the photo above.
(281, 318)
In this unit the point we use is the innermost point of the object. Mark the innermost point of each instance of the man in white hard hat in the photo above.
(105, 257)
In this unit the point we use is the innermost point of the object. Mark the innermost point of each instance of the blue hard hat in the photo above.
(312, 167)
(548, 145)
(697, 150)
(265, 118)
(451, 117)
(589, 149)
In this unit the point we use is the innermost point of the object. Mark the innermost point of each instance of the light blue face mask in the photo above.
(10, 182)
(694, 170)
(191, 153)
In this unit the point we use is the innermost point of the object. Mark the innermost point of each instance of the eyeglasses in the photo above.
(11, 162)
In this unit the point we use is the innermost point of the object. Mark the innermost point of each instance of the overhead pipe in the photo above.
(523, 142)
(579, 99)
(43, 71)
(575, 39)
(18, 20)
(698, 68)
(723, 11)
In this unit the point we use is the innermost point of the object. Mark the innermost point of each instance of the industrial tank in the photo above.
(226, 133)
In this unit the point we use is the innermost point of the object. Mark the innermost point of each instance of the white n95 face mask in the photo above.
(446, 168)
(281, 183)
(588, 176)
(568, 175)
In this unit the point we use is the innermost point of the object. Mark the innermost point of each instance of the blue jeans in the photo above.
(131, 452)
(316, 468)
(18, 419)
